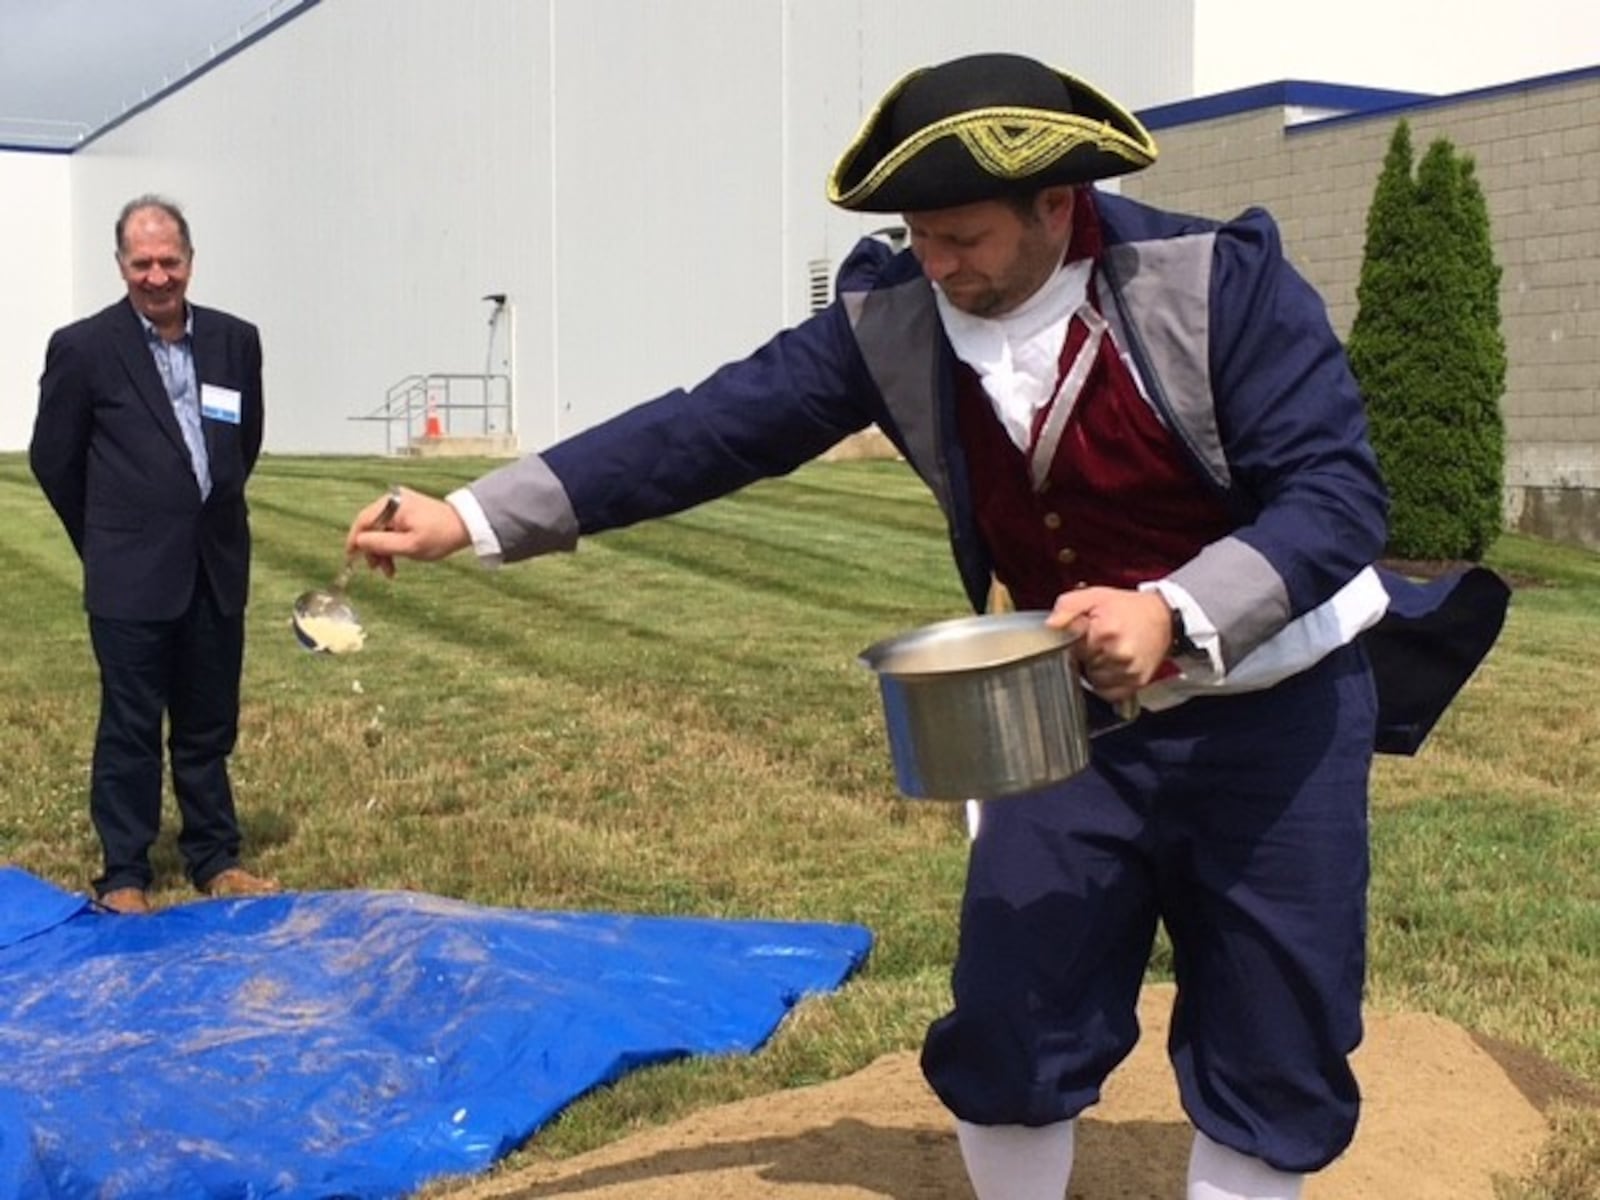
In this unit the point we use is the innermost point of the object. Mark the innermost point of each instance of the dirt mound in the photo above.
(1444, 1117)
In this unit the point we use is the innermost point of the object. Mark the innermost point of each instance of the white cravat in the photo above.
(1017, 355)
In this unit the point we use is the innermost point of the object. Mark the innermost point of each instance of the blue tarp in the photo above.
(348, 1044)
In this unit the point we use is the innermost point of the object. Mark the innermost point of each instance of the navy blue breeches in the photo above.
(1240, 822)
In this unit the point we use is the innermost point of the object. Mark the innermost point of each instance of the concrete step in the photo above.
(493, 445)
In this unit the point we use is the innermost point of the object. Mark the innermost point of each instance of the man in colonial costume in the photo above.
(1144, 422)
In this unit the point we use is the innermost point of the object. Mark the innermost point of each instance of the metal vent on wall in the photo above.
(821, 283)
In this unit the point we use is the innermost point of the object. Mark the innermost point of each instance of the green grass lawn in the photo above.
(672, 720)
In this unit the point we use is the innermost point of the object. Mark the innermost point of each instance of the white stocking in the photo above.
(1017, 1162)
(1218, 1173)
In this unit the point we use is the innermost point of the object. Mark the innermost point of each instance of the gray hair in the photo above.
(151, 200)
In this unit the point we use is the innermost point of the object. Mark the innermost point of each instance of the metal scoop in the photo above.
(324, 621)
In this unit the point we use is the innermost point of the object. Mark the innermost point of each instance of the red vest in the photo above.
(1121, 505)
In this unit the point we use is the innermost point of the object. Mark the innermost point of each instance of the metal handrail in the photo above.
(430, 406)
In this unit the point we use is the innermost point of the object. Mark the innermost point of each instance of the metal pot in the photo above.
(981, 707)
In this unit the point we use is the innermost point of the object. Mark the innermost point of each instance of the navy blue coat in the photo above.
(109, 454)
(1236, 352)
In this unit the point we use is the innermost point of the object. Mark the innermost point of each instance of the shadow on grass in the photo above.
(1543, 1084)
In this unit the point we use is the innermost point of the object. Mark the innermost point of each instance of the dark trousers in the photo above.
(186, 671)
(1238, 822)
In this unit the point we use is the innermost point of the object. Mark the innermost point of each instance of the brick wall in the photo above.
(1537, 149)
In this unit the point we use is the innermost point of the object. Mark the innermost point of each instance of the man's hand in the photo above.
(422, 528)
(1124, 636)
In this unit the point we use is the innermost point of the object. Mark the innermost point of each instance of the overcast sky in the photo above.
(1437, 46)
(68, 67)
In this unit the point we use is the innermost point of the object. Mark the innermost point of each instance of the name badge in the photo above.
(219, 403)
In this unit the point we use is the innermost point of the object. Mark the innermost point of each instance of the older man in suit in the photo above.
(149, 423)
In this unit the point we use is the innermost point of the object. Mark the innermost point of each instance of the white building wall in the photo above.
(355, 182)
(842, 55)
(643, 179)
(668, 237)
(37, 190)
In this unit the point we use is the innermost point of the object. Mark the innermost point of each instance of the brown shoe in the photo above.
(129, 901)
(236, 881)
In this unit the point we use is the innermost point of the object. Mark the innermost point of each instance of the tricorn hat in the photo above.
(982, 127)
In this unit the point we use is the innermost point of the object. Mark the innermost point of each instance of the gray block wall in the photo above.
(1537, 149)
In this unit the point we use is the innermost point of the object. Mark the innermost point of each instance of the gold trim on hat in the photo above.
(1013, 143)
(1008, 143)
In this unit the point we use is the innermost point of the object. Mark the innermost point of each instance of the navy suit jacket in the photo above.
(109, 454)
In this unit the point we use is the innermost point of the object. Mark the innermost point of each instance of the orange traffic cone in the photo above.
(431, 428)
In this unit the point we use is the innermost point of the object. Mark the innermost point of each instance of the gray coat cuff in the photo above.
(528, 509)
